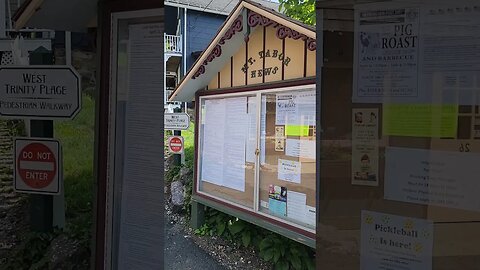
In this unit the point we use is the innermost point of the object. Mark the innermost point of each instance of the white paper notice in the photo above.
(264, 204)
(236, 128)
(395, 242)
(311, 215)
(289, 170)
(296, 108)
(286, 109)
(417, 54)
(306, 108)
(300, 148)
(449, 56)
(297, 206)
(213, 144)
(386, 53)
(225, 135)
(263, 128)
(252, 130)
(441, 178)
(365, 147)
(140, 221)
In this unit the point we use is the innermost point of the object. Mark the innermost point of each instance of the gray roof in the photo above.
(217, 6)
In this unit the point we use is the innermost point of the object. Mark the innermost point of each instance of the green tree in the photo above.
(302, 10)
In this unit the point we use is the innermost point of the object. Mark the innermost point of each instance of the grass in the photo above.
(189, 135)
(77, 140)
(188, 141)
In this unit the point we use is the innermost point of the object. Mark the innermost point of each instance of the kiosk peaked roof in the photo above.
(228, 40)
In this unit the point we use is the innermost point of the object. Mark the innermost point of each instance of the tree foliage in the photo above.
(302, 10)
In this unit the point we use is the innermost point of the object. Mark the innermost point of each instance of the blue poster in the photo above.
(277, 200)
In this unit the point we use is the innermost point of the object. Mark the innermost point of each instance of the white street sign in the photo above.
(39, 92)
(176, 121)
(37, 166)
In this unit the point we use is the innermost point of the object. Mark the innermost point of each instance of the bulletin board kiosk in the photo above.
(129, 160)
(254, 92)
(400, 123)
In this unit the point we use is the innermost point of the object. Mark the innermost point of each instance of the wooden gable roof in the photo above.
(255, 45)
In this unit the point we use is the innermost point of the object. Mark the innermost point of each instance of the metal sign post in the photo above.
(41, 206)
(177, 158)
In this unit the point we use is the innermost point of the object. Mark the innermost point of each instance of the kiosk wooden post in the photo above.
(197, 218)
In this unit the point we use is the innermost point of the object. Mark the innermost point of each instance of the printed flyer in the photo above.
(296, 109)
(430, 177)
(395, 242)
(289, 170)
(365, 147)
(425, 53)
(277, 200)
(286, 110)
(279, 138)
(386, 53)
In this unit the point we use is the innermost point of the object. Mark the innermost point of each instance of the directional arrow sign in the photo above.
(176, 121)
(39, 92)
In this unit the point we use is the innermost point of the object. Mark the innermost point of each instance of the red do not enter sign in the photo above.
(175, 144)
(36, 165)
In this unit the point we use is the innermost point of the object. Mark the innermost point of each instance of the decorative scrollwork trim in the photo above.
(283, 32)
(254, 19)
(236, 27)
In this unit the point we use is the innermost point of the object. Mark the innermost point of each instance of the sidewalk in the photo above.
(182, 253)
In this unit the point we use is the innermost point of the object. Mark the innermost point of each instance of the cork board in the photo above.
(242, 198)
(341, 203)
(269, 174)
(268, 171)
(226, 192)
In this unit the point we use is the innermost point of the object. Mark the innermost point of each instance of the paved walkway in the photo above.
(182, 253)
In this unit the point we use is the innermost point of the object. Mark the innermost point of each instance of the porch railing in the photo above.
(173, 44)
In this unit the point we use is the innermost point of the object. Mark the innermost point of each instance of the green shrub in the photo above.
(30, 253)
(283, 253)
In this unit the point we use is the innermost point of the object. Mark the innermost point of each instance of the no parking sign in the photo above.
(37, 166)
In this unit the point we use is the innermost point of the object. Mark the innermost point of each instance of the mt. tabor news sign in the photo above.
(41, 92)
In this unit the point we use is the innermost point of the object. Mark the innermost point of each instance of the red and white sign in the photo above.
(175, 144)
(37, 166)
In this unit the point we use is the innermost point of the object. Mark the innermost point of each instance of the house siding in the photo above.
(171, 14)
(201, 29)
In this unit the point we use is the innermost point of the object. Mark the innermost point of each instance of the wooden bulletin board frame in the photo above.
(289, 229)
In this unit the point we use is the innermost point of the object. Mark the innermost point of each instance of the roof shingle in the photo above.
(219, 6)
